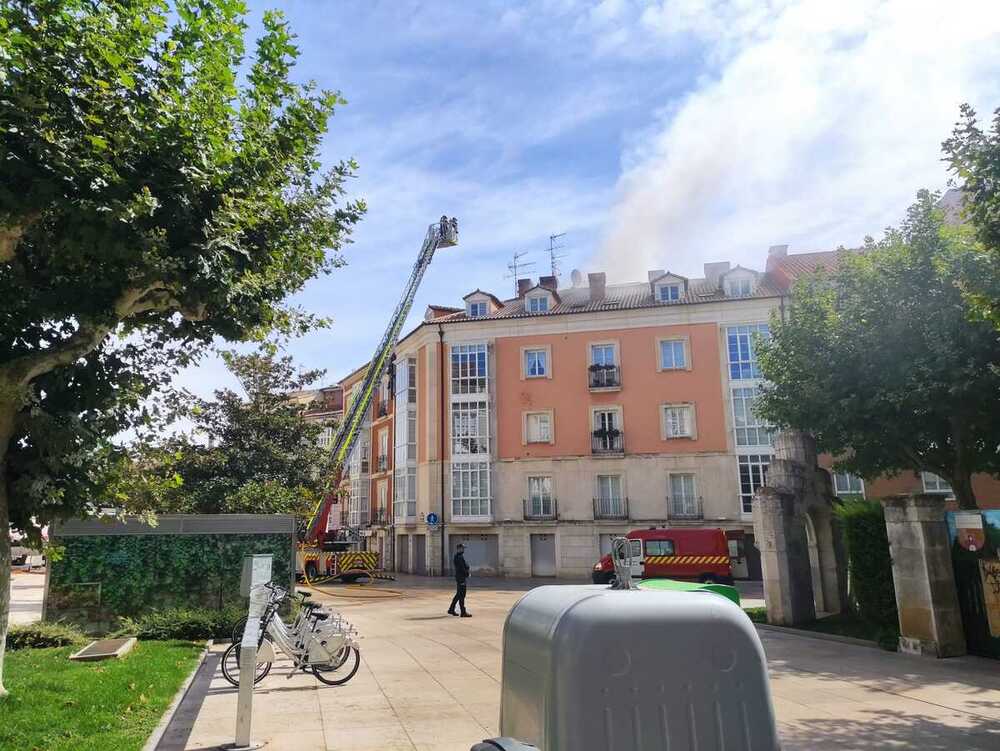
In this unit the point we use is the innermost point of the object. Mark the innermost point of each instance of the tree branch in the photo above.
(10, 236)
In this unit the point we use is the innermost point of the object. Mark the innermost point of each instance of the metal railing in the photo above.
(685, 508)
(605, 376)
(383, 462)
(540, 510)
(381, 408)
(607, 442)
(380, 517)
(611, 508)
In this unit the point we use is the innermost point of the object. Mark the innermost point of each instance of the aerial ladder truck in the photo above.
(352, 564)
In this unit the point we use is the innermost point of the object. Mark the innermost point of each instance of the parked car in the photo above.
(688, 554)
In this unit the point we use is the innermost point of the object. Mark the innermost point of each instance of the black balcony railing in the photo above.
(381, 408)
(685, 508)
(383, 462)
(540, 510)
(607, 442)
(380, 517)
(611, 508)
(605, 376)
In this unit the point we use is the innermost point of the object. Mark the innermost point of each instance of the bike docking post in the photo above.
(256, 573)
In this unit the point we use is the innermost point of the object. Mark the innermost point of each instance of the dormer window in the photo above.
(477, 310)
(538, 304)
(668, 292)
(739, 287)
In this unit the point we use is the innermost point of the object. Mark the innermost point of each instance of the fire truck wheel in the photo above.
(708, 579)
(338, 677)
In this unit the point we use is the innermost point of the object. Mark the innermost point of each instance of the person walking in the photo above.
(461, 569)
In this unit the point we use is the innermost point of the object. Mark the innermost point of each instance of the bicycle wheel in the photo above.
(333, 676)
(231, 666)
(337, 662)
(238, 629)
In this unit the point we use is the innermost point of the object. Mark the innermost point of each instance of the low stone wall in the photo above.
(116, 568)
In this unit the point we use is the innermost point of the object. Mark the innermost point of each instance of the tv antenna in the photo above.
(554, 258)
(516, 266)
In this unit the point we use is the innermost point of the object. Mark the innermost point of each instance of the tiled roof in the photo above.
(798, 264)
(629, 296)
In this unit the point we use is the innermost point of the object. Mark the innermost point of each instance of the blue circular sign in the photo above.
(432, 518)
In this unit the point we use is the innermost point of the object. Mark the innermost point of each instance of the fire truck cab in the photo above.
(687, 554)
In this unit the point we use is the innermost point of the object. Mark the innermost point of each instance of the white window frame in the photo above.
(404, 489)
(672, 290)
(666, 432)
(470, 428)
(748, 428)
(747, 368)
(740, 286)
(540, 504)
(673, 341)
(478, 309)
(688, 504)
(935, 484)
(752, 462)
(591, 346)
(464, 504)
(546, 352)
(470, 370)
(537, 303)
(610, 505)
(526, 427)
(848, 477)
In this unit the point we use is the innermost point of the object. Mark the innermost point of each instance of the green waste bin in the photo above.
(677, 586)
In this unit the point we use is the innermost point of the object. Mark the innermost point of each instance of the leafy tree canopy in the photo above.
(249, 453)
(880, 361)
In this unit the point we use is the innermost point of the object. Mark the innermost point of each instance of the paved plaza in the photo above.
(430, 681)
(27, 591)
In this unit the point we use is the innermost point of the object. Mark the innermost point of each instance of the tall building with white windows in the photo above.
(535, 429)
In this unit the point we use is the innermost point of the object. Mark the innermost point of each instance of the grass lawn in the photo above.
(842, 624)
(58, 705)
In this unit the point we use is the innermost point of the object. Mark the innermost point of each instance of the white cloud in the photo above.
(815, 125)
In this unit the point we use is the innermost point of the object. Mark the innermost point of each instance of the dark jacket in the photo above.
(460, 567)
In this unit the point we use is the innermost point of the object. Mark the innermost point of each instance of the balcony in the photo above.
(605, 377)
(689, 509)
(611, 508)
(380, 517)
(383, 463)
(535, 511)
(607, 442)
(381, 408)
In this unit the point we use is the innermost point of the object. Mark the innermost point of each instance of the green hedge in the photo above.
(41, 635)
(188, 624)
(102, 577)
(869, 563)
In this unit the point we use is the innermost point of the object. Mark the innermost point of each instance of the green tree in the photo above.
(882, 364)
(245, 453)
(150, 201)
(973, 153)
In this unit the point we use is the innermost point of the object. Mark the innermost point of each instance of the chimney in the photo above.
(523, 285)
(715, 270)
(654, 274)
(597, 283)
(774, 254)
(548, 282)
(577, 277)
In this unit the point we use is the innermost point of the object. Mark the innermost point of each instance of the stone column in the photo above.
(784, 554)
(930, 622)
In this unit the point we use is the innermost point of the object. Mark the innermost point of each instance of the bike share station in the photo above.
(317, 641)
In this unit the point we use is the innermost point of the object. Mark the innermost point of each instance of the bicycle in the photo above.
(316, 641)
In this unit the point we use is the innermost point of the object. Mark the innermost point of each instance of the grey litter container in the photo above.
(588, 668)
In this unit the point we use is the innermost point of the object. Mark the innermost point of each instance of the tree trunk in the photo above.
(6, 431)
(961, 485)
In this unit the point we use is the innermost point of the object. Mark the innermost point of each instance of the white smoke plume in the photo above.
(814, 126)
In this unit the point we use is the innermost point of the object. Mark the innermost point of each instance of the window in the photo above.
(750, 429)
(468, 369)
(602, 354)
(469, 428)
(683, 501)
(753, 475)
(383, 443)
(325, 438)
(535, 363)
(677, 422)
(405, 493)
(411, 380)
(538, 427)
(477, 310)
(935, 483)
(669, 292)
(672, 355)
(383, 493)
(739, 287)
(846, 484)
(659, 547)
(540, 496)
(607, 435)
(538, 304)
(739, 341)
(609, 495)
(470, 489)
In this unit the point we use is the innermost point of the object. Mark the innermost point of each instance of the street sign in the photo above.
(432, 518)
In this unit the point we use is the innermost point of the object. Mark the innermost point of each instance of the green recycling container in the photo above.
(678, 586)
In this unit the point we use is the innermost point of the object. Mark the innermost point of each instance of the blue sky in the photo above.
(657, 134)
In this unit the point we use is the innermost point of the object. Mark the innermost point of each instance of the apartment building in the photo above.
(537, 428)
